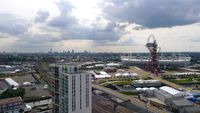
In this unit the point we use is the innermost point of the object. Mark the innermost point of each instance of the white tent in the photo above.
(11, 82)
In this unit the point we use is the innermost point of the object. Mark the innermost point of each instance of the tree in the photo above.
(13, 93)
(21, 111)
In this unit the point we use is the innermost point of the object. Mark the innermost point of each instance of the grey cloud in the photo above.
(39, 38)
(137, 28)
(24, 46)
(129, 41)
(194, 39)
(42, 16)
(12, 25)
(67, 27)
(153, 13)
(4, 35)
(64, 7)
(65, 19)
(29, 42)
(94, 32)
(110, 26)
(71, 28)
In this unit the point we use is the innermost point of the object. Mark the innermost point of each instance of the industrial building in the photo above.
(12, 83)
(3, 86)
(146, 83)
(126, 74)
(71, 89)
(8, 69)
(166, 92)
(145, 89)
(171, 98)
(186, 73)
(171, 91)
(100, 74)
(113, 65)
(12, 105)
(182, 105)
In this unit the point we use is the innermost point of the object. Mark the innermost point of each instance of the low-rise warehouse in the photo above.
(126, 74)
(100, 74)
(3, 85)
(171, 91)
(146, 83)
(113, 64)
(182, 105)
(12, 105)
(173, 99)
(11, 82)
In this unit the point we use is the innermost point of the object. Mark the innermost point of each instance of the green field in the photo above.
(121, 83)
(182, 81)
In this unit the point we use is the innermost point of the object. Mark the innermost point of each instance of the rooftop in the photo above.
(170, 90)
(68, 63)
(10, 81)
(194, 109)
(156, 100)
(3, 85)
(181, 102)
(10, 100)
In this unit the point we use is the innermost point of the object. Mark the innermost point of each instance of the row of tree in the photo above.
(10, 92)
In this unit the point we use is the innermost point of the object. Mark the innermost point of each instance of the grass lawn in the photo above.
(121, 83)
(143, 74)
(182, 81)
(197, 79)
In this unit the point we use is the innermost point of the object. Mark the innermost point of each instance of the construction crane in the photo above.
(153, 64)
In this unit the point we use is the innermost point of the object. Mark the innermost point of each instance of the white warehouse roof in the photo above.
(99, 65)
(127, 74)
(11, 82)
(113, 64)
(138, 89)
(187, 73)
(171, 91)
(101, 74)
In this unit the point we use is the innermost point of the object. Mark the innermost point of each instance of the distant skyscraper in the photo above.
(71, 89)
(73, 51)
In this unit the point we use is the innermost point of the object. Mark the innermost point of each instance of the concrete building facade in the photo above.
(71, 89)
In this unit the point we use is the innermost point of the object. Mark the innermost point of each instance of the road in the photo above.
(137, 103)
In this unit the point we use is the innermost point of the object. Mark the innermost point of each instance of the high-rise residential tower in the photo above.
(71, 89)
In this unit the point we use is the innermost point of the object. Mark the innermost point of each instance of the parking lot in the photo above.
(36, 90)
(33, 89)
(24, 78)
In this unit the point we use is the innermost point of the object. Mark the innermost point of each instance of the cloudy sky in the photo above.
(98, 25)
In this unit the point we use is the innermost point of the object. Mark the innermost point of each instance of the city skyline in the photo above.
(99, 25)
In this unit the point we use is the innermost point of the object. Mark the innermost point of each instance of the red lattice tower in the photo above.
(153, 64)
